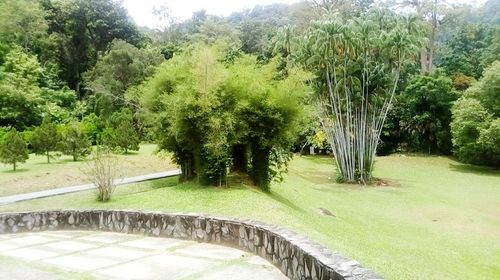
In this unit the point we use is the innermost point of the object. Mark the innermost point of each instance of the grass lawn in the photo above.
(36, 174)
(439, 219)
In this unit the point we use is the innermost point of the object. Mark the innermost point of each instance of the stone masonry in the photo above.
(293, 254)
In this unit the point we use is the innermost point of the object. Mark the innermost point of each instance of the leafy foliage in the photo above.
(476, 118)
(424, 113)
(73, 141)
(120, 133)
(463, 52)
(45, 138)
(20, 97)
(13, 148)
(120, 68)
(204, 109)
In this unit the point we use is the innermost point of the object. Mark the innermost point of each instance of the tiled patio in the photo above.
(104, 255)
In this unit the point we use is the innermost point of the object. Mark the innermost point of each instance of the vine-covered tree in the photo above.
(358, 64)
(13, 149)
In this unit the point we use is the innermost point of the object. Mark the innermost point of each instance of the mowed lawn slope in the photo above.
(36, 174)
(438, 219)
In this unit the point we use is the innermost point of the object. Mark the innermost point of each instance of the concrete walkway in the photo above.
(106, 255)
(28, 196)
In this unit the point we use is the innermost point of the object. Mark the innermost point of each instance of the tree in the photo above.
(487, 89)
(23, 23)
(13, 148)
(464, 52)
(84, 29)
(20, 99)
(74, 141)
(192, 119)
(45, 138)
(358, 65)
(476, 120)
(120, 68)
(424, 112)
(268, 112)
(120, 132)
(214, 116)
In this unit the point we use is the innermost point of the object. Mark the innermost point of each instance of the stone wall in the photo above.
(294, 255)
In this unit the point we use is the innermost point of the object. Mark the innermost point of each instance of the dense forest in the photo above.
(247, 89)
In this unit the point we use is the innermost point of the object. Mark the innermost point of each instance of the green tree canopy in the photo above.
(13, 149)
(476, 118)
(358, 63)
(203, 109)
(45, 138)
(74, 141)
(120, 132)
(424, 112)
(121, 67)
(20, 98)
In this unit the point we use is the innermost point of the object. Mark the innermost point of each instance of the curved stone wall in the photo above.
(293, 254)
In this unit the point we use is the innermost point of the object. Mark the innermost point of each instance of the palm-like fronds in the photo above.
(359, 62)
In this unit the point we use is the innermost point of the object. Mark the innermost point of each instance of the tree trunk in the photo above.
(424, 60)
(260, 166)
(14, 166)
(240, 158)
(187, 168)
(48, 157)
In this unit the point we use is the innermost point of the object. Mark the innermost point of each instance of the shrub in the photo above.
(103, 171)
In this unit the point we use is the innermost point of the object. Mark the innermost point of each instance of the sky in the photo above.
(142, 10)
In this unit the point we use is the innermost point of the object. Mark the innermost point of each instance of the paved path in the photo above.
(106, 255)
(27, 196)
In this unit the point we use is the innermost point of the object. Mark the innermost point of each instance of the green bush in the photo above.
(476, 121)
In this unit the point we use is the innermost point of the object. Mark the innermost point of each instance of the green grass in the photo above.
(36, 174)
(439, 219)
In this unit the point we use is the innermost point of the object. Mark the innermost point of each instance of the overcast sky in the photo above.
(142, 10)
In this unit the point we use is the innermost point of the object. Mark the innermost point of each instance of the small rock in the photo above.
(326, 212)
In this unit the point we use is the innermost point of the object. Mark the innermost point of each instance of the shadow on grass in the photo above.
(165, 183)
(474, 169)
(18, 170)
(318, 159)
(318, 177)
(282, 200)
